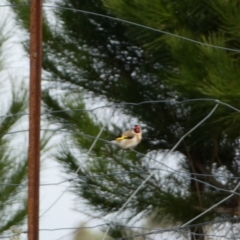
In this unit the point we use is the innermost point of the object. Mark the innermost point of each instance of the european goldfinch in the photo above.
(130, 138)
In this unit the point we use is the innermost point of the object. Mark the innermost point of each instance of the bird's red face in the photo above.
(137, 129)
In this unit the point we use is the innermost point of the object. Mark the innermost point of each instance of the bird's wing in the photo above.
(126, 135)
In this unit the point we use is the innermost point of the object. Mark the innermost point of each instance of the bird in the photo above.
(129, 139)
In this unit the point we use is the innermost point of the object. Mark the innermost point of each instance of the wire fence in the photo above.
(147, 230)
(152, 172)
(144, 231)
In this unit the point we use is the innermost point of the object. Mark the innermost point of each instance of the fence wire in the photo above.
(151, 231)
(151, 170)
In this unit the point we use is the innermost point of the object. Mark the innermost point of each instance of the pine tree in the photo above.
(13, 167)
(88, 55)
(13, 160)
(13, 141)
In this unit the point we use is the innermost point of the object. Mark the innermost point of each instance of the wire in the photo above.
(119, 105)
(89, 151)
(154, 230)
(171, 169)
(143, 26)
(7, 237)
(157, 101)
(177, 229)
(149, 169)
(215, 205)
(131, 23)
(128, 172)
(153, 172)
(217, 101)
(134, 172)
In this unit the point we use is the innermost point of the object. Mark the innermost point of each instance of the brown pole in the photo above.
(34, 118)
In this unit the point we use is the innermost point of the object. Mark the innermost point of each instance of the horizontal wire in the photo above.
(76, 172)
(165, 156)
(144, 235)
(178, 229)
(143, 26)
(214, 235)
(171, 169)
(113, 173)
(215, 205)
(130, 23)
(131, 172)
(144, 155)
(154, 230)
(142, 228)
(160, 32)
(153, 169)
(119, 105)
(42, 185)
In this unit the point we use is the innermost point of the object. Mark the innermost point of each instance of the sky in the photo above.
(63, 213)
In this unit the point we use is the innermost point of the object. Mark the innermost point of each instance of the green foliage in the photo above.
(13, 151)
(13, 168)
(22, 9)
(13, 163)
(119, 62)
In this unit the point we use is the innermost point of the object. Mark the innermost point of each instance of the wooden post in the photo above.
(34, 118)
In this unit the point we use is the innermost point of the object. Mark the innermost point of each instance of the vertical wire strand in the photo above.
(153, 172)
(88, 153)
(215, 205)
